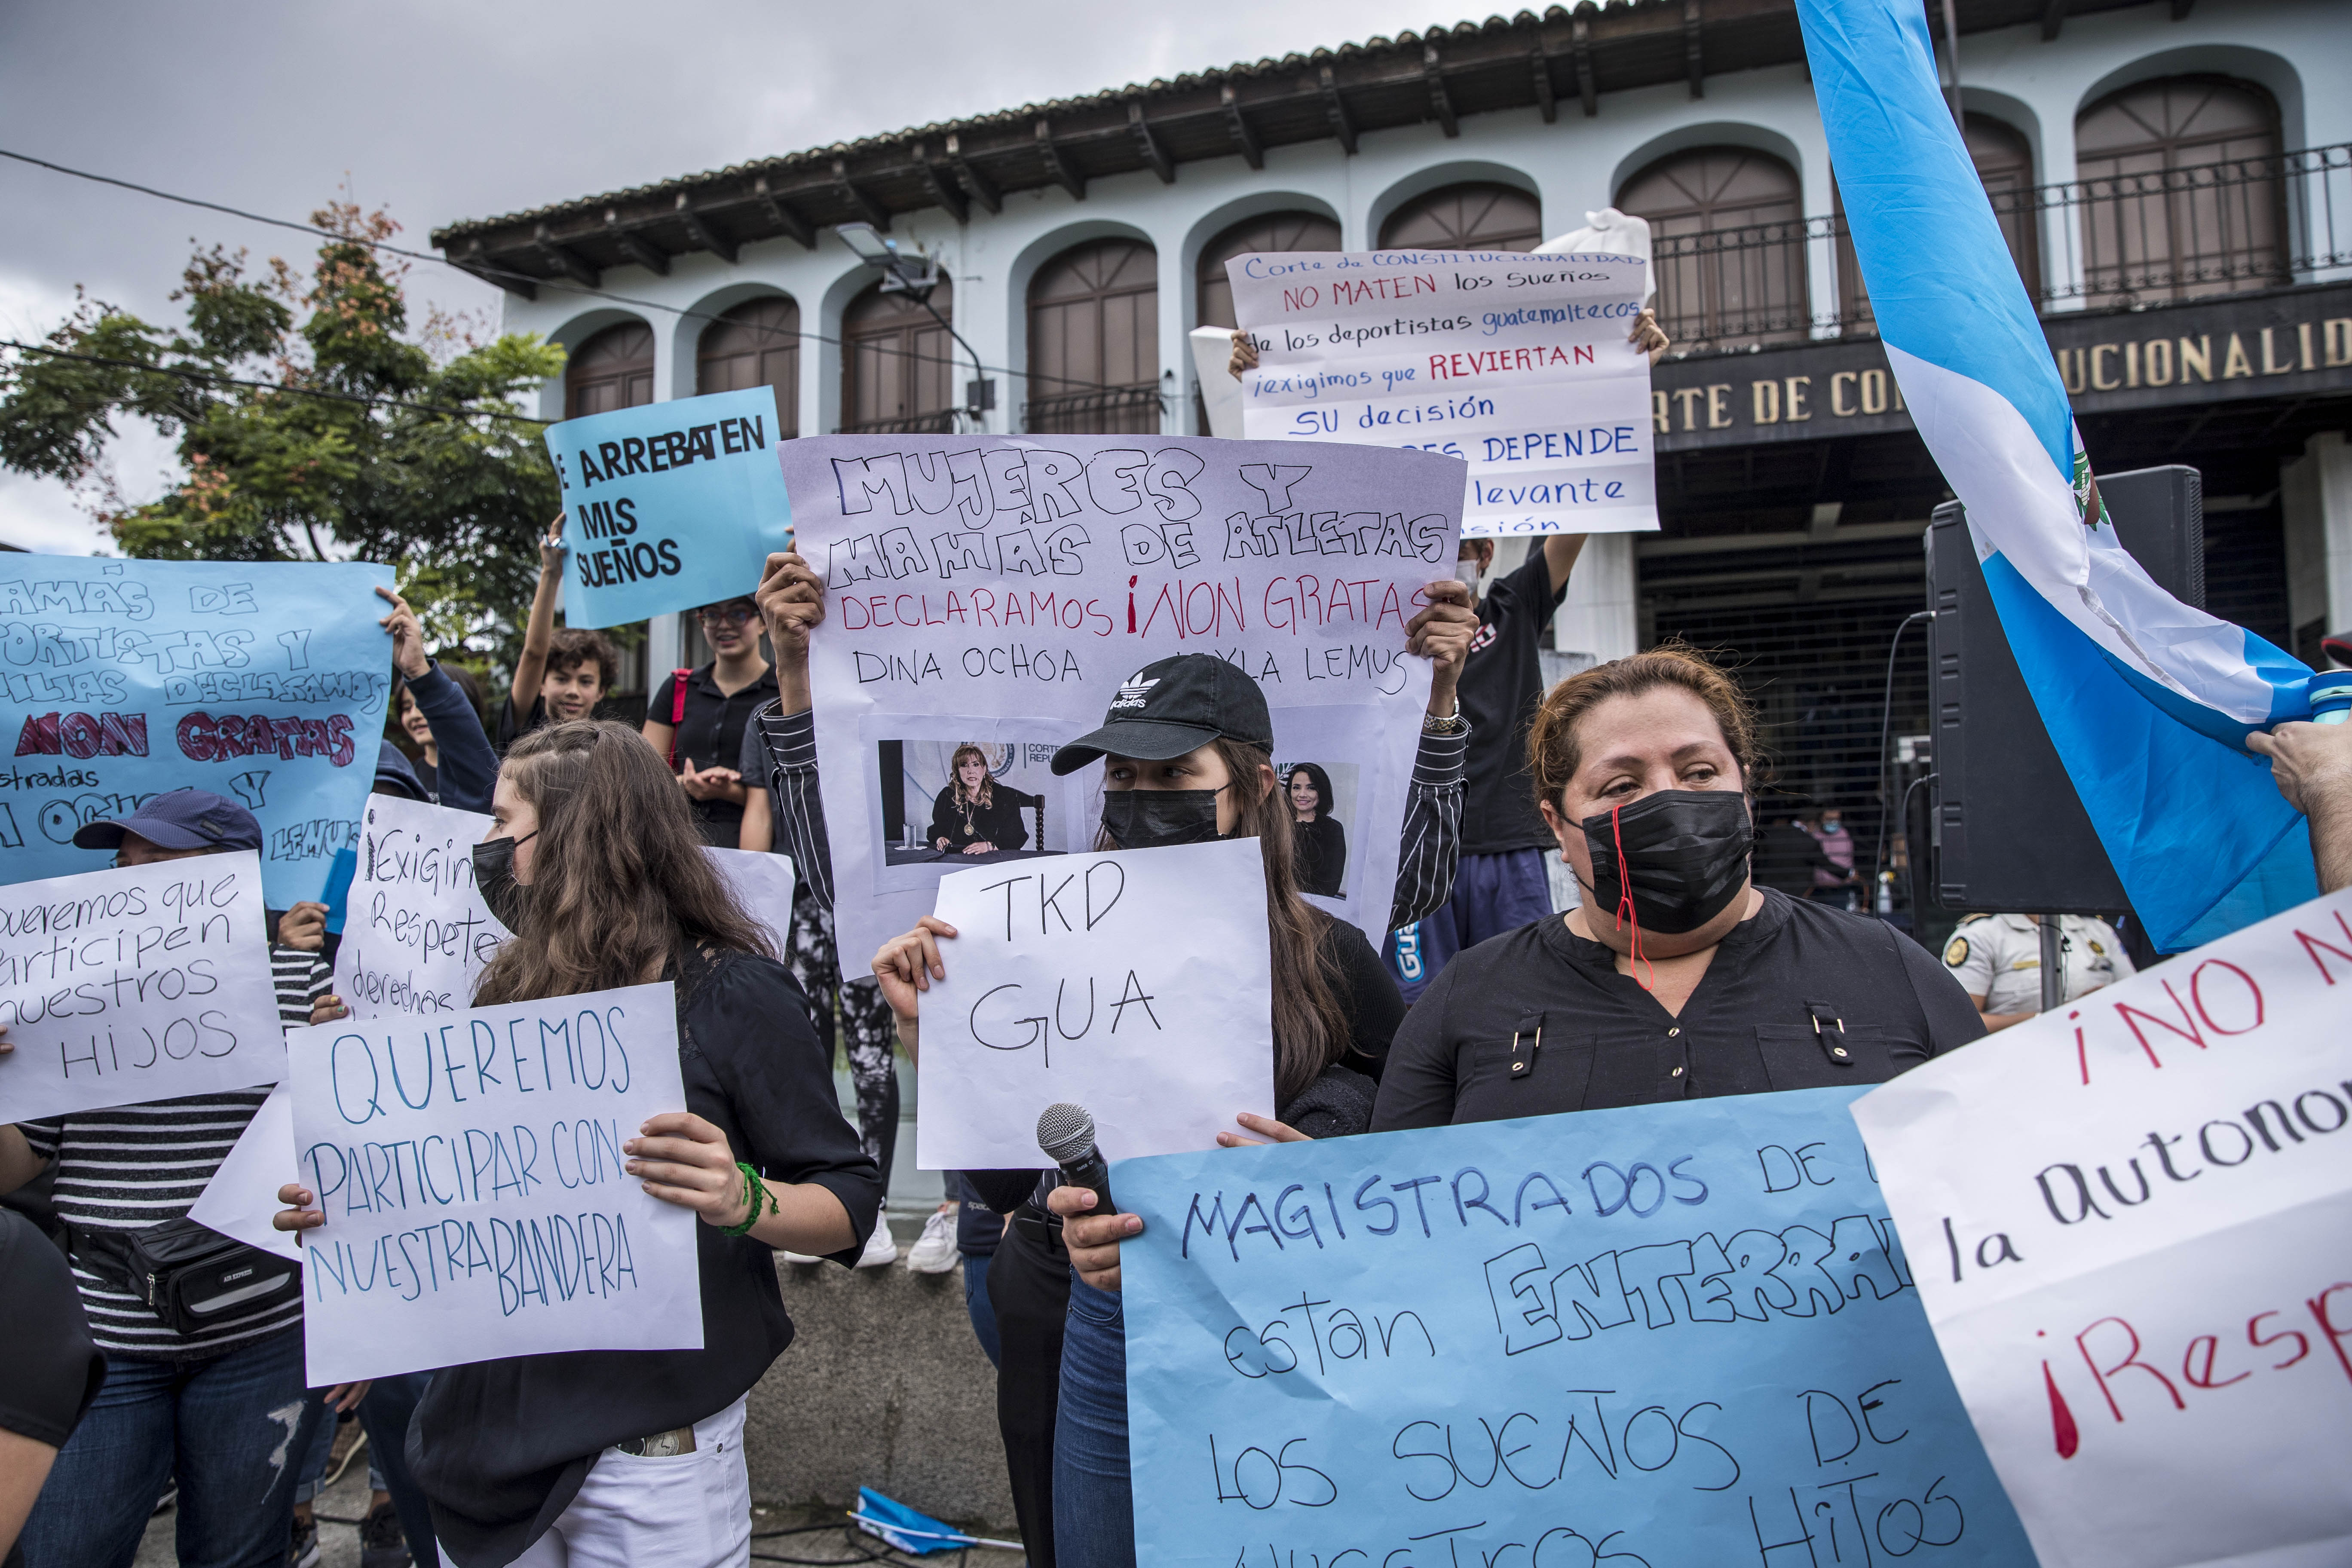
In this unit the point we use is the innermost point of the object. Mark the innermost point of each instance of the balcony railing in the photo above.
(1097, 411)
(941, 423)
(2231, 226)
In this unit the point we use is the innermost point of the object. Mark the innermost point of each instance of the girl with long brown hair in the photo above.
(592, 860)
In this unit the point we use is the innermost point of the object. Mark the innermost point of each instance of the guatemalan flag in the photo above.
(2147, 700)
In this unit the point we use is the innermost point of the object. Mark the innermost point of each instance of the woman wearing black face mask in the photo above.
(1676, 977)
(593, 862)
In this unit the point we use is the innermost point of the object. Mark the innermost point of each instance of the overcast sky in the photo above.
(441, 110)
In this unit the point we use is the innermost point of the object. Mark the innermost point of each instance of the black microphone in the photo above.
(1066, 1133)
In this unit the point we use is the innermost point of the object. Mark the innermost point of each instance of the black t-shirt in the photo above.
(500, 1447)
(1501, 682)
(1751, 1026)
(52, 1370)
(508, 732)
(711, 735)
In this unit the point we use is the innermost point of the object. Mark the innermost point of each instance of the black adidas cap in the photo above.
(1175, 706)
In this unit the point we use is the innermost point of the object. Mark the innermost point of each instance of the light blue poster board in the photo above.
(669, 505)
(1674, 1335)
(262, 683)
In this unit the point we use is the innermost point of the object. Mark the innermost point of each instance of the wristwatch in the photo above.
(1452, 724)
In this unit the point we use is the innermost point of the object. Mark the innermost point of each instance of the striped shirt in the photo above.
(1427, 852)
(132, 1166)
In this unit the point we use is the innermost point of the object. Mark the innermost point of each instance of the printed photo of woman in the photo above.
(977, 815)
(1321, 843)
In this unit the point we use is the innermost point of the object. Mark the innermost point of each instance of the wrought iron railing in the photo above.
(1097, 411)
(2233, 225)
(941, 423)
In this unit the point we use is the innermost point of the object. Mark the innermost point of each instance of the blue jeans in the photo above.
(981, 1309)
(1094, 1496)
(1492, 894)
(231, 1428)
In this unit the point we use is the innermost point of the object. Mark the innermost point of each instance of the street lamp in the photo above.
(916, 276)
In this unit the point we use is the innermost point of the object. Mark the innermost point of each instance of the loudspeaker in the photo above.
(2012, 834)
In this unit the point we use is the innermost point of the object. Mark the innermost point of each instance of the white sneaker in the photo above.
(881, 1250)
(934, 1251)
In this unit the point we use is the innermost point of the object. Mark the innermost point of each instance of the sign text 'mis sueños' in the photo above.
(608, 554)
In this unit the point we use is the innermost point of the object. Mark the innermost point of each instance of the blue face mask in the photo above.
(1155, 818)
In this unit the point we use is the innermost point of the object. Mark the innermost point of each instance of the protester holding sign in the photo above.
(226, 1382)
(464, 764)
(695, 718)
(1028, 1279)
(560, 675)
(593, 862)
(1644, 766)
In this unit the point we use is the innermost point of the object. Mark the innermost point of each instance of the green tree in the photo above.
(455, 500)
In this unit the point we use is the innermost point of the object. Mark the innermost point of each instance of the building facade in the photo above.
(2174, 179)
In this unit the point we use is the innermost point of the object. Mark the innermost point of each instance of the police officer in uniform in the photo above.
(1996, 959)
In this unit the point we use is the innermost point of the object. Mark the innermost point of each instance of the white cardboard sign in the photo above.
(2131, 1225)
(1135, 983)
(418, 934)
(1518, 364)
(242, 1196)
(476, 1200)
(123, 987)
(993, 594)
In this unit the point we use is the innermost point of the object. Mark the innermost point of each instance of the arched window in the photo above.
(615, 369)
(2005, 165)
(1726, 246)
(1094, 341)
(756, 343)
(897, 365)
(2182, 191)
(1466, 217)
(1213, 296)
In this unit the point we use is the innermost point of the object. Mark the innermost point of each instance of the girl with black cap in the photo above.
(1200, 765)
(1187, 750)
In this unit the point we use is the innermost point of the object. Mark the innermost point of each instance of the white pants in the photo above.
(689, 1510)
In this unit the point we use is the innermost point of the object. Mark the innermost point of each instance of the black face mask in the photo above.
(494, 879)
(1684, 851)
(1155, 818)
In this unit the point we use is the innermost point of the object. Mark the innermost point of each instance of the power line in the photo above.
(223, 377)
(479, 275)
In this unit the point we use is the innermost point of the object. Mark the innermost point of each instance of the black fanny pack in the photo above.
(190, 1276)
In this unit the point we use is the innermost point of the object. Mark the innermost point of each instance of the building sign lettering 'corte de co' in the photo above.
(2292, 343)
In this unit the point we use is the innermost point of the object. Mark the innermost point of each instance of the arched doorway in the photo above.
(897, 364)
(2182, 191)
(1727, 247)
(1094, 341)
(615, 369)
(1479, 216)
(757, 343)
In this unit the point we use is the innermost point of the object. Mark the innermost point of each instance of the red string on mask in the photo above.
(1625, 912)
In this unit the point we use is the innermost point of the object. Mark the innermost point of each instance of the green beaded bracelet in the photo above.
(755, 1194)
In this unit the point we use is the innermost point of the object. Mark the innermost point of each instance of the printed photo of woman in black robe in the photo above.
(1322, 843)
(976, 815)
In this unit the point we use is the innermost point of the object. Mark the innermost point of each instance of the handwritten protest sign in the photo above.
(668, 505)
(242, 1196)
(126, 986)
(1677, 1335)
(119, 680)
(1518, 364)
(417, 934)
(476, 1200)
(1135, 983)
(993, 593)
(2132, 1220)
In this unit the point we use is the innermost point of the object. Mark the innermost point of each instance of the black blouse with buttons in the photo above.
(1539, 1020)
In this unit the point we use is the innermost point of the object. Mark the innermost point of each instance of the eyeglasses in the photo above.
(734, 617)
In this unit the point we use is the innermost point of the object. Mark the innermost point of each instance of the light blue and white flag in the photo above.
(2147, 700)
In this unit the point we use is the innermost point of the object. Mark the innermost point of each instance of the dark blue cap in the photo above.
(179, 819)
